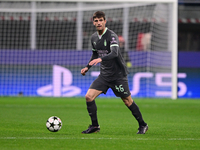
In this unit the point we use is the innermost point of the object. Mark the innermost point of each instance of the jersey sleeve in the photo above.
(114, 41)
(94, 55)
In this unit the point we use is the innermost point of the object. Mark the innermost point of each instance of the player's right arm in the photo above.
(84, 70)
(94, 56)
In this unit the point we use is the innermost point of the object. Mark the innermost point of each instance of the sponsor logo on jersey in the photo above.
(113, 40)
(102, 53)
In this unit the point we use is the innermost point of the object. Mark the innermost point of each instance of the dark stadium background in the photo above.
(188, 47)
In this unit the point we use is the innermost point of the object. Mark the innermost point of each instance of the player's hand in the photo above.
(84, 70)
(95, 61)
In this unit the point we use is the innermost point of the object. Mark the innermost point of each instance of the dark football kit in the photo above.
(113, 70)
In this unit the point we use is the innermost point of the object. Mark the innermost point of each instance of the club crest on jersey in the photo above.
(105, 43)
(113, 40)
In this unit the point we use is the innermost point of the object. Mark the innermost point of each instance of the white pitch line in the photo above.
(101, 138)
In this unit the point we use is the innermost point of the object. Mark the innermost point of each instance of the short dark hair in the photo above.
(99, 14)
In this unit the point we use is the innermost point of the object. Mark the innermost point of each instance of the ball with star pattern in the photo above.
(54, 124)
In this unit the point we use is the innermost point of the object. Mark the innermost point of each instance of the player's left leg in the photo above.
(128, 101)
(121, 89)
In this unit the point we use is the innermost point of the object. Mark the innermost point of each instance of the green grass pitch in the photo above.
(173, 124)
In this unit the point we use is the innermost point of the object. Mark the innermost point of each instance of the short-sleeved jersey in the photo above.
(111, 68)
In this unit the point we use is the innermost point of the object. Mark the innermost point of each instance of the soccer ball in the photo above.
(54, 124)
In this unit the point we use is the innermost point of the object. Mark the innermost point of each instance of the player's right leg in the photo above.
(92, 94)
(97, 87)
(92, 110)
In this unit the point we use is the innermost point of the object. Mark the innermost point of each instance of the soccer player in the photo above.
(113, 73)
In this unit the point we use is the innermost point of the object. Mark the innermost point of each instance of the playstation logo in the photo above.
(61, 86)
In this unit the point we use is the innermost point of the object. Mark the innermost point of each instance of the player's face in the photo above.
(100, 24)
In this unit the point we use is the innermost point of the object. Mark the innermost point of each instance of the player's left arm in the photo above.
(114, 50)
(114, 53)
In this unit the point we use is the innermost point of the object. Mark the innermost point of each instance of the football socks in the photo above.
(92, 110)
(137, 114)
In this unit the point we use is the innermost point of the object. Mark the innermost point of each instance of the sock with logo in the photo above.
(92, 110)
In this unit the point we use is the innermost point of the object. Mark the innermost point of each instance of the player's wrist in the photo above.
(88, 66)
